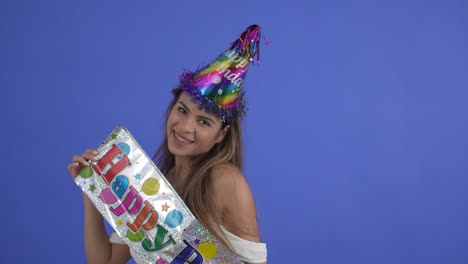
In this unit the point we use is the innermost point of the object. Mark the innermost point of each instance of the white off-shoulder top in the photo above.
(248, 251)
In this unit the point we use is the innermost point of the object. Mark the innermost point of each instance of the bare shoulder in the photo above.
(228, 176)
(229, 184)
(233, 197)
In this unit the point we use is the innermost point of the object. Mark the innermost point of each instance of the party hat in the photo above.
(218, 87)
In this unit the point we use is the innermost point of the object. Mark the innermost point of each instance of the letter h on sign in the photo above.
(109, 165)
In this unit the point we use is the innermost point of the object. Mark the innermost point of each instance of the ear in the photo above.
(222, 133)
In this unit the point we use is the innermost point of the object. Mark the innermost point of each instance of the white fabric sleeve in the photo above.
(248, 251)
(116, 239)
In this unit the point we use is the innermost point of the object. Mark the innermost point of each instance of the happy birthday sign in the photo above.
(143, 208)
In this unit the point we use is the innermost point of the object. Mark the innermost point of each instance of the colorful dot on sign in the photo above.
(207, 249)
(107, 196)
(135, 237)
(150, 186)
(161, 261)
(124, 147)
(86, 172)
(174, 218)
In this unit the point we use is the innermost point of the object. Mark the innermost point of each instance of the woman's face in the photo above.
(191, 131)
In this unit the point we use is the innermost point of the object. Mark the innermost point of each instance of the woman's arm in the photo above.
(98, 248)
(234, 199)
(97, 245)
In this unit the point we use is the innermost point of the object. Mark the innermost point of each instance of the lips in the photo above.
(182, 139)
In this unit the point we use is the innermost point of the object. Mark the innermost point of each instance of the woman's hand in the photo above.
(78, 162)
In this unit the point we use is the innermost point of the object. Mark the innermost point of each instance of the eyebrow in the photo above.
(202, 116)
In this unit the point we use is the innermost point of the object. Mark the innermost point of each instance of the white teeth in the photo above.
(181, 139)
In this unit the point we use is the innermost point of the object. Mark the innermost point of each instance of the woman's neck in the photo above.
(181, 170)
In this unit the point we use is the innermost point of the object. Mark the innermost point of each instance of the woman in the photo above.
(201, 156)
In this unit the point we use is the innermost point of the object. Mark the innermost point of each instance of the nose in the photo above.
(187, 125)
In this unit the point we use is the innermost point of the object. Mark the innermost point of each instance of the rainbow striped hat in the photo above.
(218, 87)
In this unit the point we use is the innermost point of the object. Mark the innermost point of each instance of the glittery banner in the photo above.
(143, 208)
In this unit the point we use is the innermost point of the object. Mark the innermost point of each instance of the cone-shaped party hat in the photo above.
(218, 87)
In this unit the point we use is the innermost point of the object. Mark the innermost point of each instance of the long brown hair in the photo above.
(197, 191)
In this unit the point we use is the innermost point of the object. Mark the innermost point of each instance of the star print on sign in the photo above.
(197, 241)
(165, 207)
(113, 136)
(92, 188)
(138, 176)
(120, 222)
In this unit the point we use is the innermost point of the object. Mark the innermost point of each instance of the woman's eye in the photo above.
(204, 122)
(181, 109)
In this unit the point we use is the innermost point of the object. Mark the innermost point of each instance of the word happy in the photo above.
(233, 57)
(108, 167)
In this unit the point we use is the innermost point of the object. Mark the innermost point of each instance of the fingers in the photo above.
(74, 165)
(90, 155)
(80, 160)
(92, 151)
(86, 157)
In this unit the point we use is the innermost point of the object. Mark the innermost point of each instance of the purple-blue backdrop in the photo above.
(356, 135)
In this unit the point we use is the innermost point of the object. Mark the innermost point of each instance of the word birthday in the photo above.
(109, 168)
(231, 74)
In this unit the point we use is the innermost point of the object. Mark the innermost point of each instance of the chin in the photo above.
(177, 151)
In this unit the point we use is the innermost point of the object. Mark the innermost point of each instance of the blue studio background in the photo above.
(356, 135)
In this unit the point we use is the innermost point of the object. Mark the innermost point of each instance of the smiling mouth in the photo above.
(182, 139)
